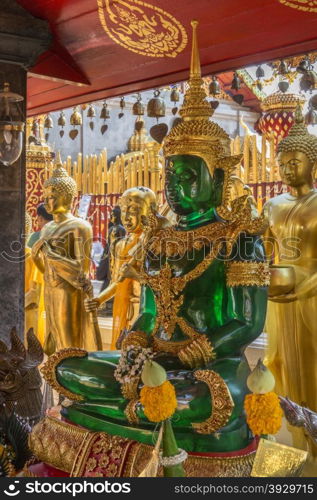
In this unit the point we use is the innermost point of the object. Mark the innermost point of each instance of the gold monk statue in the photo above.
(136, 205)
(63, 254)
(291, 321)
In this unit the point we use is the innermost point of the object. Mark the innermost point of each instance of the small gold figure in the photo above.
(291, 321)
(62, 254)
(136, 205)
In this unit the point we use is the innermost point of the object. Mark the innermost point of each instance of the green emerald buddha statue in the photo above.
(203, 301)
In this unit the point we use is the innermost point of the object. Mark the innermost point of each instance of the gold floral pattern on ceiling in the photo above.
(305, 5)
(142, 28)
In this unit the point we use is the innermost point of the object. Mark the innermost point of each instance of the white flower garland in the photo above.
(129, 369)
(175, 459)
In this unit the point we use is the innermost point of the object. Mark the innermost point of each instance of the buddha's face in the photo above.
(131, 215)
(295, 168)
(54, 201)
(189, 186)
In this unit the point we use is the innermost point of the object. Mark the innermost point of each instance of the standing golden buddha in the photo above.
(137, 204)
(291, 324)
(62, 254)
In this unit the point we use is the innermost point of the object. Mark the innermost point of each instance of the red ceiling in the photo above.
(232, 34)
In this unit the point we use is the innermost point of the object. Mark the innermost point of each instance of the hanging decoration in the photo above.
(236, 82)
(142, 28)
(156, 106)
(174, 97)
(214, 87)
(236, 85)
(138, 108)
(61, 122)
(91, 113)
(11, 126)
(104, 115)
(311, 116)
(159, 402)
(122, 106)
(262, 406)
(278, 117)
(76, 120)
(48, 122)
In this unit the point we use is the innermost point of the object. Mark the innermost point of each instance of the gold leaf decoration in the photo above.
(305, 5)
(142, 28)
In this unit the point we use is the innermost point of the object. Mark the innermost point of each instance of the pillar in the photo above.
(22, 39)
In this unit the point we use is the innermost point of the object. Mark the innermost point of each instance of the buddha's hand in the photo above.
(128, 271)
(91, 304)
(38, 246)
(86, 286)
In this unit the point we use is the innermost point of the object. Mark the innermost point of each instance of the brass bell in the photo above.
(308, 81)
(104, 114)
(91, 113)
(283, 85)
(174, 95)
(156, 106)
(313, 102)
(75, 117)
(214, 87)
(259, 72)
(236, 82)
(138, 107)
(283, 68)
(48, 122)
(61, 119)
(311, 117)
(303, 66)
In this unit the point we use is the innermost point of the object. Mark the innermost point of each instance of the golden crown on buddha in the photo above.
(196, 134)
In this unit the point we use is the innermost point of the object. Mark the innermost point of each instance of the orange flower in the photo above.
(159, 402)
(264, 414)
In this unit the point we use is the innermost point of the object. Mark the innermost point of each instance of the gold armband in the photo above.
(248, 273)
(48, 370)
(136, 339)
(197, 353)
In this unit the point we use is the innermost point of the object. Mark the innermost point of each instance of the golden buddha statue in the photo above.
(31, 296)
(62, 254)
(291, 325)
(136, 205)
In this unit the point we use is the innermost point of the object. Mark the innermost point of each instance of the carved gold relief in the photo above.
(142, 28)
(221, 402)
(305, 5)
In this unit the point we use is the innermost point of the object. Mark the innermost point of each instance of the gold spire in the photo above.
(196, 134)
(195, 105)
(299, 139)
(58, 160)
(195, 70)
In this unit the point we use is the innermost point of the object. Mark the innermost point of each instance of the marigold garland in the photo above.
(159, 402)
(264, 413)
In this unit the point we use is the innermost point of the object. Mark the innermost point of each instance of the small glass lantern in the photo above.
(11, 126)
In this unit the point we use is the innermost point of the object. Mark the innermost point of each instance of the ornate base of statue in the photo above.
(81, 453)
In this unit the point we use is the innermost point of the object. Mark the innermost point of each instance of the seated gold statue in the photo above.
(63, 254)
(291, 321)
(136, 203)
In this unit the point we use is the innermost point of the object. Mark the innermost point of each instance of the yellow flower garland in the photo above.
(159, 402)
(264, 413)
